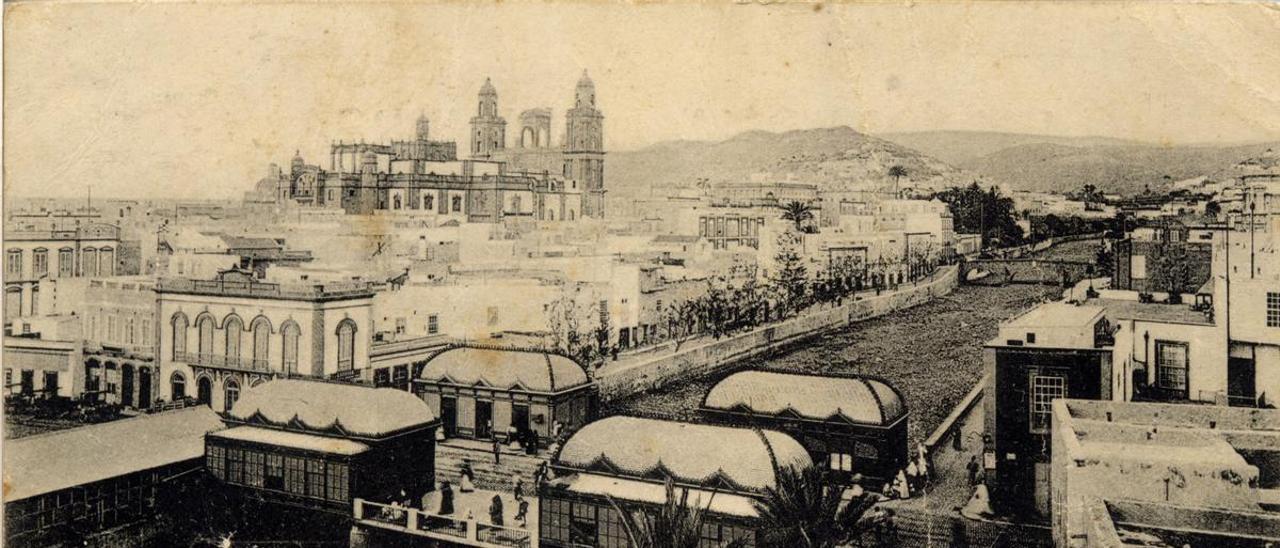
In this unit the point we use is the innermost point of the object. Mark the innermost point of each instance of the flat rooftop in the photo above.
(1120, 309)
(1057, 314)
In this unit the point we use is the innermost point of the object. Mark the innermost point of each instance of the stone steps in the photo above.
(500, 477)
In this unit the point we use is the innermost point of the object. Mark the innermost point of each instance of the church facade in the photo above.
(532, 180)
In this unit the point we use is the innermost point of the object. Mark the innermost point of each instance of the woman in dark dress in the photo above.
(446, 499)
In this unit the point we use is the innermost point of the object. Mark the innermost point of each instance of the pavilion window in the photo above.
(613, 533)
(295, 475)
(235, 465)
(337, 487)
(582, 525)
(215, 461)
(555, 518)
(315, 478)
(841, 462)
(273, 473)
(253, 468)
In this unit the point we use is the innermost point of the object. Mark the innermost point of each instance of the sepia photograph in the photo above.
(618, 274)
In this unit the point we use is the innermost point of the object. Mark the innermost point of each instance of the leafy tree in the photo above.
(1212, 209)
(986, 212)
(1172, 268)
(790, 276)
(797, 212)
(677, 524)
(803, 510)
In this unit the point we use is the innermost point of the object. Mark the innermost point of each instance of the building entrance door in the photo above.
(204, 390)
(520, 419)
(126, 385)
(449, 416)
(144, 387)
(1241, 381)
(484, 419)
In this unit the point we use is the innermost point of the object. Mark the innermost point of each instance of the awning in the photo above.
(654, 493)
(293, 440)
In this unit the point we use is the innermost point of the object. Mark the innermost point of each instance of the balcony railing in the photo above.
(459, 531)
(260, 365)
(263, 289)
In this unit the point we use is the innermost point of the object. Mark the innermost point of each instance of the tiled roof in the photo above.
(857, 399)
(51, 462)
(698, 454)
(332, 407)
(505, 369)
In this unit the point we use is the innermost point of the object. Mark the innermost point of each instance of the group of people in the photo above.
(497, 509)
(911, 480)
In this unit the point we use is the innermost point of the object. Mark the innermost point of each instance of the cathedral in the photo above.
(532, 179)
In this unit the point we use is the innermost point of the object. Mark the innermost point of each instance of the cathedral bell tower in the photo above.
(488, 130)
(584, 147)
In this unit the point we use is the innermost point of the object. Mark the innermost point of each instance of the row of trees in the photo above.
(729, 305)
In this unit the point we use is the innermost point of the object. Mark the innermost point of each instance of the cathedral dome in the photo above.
(487, 88)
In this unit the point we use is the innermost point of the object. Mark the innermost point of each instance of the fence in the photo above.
(621, 380)
(455, 531)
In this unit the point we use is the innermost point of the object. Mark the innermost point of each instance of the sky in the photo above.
(194, 100)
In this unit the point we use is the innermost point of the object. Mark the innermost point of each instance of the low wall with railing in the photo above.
(456, 531)
(622, 380)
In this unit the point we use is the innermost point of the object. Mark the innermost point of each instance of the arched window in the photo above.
(346, 345)
(66, 262)
(232, 327)
(232, 393)
(179, 326)
(515, 203)
(204, 327)
(289, 351)
(89, 262)
(570, 214)
(177, 386)
(456, 204)
(428, 202)
(35, 300)
(261, 342)
(396, 201)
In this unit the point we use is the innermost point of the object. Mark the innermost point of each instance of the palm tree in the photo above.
(797, 212)
(677, 524)
(803, 510)
(897, 172)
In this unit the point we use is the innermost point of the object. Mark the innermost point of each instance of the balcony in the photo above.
(451, 530)
(233, 363)
(254, 289)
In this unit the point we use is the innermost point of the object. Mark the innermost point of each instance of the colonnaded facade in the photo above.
(533, 179)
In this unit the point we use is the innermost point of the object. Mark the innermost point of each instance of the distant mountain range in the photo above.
(1048, 163)
(833, 157)
(839, 158)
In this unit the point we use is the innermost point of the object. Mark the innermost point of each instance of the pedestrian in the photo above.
(522, 514)
(519, 488)
(446, 499)
(913, 476)
(497, 451)
(972, 468)
(495, 510)
(467, 484)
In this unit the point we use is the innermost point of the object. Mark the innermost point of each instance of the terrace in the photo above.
(454, 529)
(255, 289)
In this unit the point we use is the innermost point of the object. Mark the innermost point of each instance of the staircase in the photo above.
(490, 477)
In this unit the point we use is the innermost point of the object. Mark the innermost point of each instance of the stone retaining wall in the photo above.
(622, 380)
